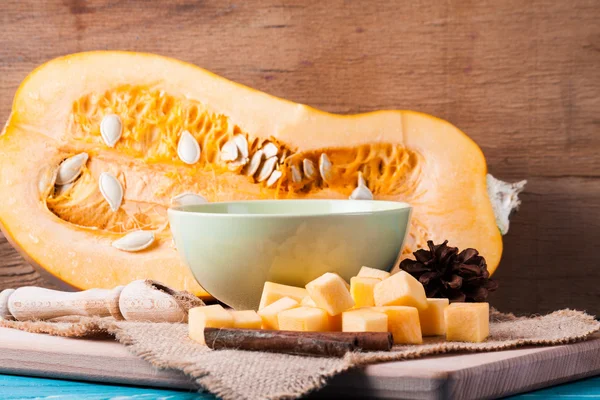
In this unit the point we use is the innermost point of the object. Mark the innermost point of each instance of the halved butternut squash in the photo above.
(161, 128)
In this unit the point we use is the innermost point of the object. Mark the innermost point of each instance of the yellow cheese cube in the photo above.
(247, 319)
(269, 313)
(361, 290)
(214, 316)
(275, 291)
(432, 318)
(304, 319)
(467, 322)
(364, 320)
(335, 321)
(330, 292)
(400, 289)
(308, 302)
(366, 272)
(403, 323)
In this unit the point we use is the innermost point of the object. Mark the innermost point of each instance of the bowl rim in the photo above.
(395, 206)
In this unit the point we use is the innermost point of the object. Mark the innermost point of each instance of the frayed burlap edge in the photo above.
(570, 325)
(80, 327)
(442, 347)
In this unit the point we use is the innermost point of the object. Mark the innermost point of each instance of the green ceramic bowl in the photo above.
(232, 248)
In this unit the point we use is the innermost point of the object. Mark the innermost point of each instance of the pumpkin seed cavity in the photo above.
(389, 168)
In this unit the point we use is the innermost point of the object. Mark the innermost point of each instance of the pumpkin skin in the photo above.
(404, 156)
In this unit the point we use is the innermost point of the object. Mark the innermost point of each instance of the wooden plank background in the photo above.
(522, 78)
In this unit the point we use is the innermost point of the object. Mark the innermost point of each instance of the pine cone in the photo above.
(446, 273)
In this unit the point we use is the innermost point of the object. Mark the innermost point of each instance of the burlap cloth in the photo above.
(235, 374)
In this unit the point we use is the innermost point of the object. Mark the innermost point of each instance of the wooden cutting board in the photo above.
(462, 376)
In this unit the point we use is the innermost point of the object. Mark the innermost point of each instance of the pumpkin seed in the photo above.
(266, 169)
(283, 156)
(270, 150)
(242, 149)
(188, 148)
(47, 180)
(274, 178)
(240, 162)
(309, 168)
(255, 163)
(134, 241)
(325, 167)
(111, 129)
(361, 192)
(242, 145)
(70, 169)
(229, 151)
(62, 189)
(111, 189)
(296, 174)
(188, 199)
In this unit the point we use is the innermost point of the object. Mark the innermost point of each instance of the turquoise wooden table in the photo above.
(20, 387)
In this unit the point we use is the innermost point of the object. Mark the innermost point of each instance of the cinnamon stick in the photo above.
(325, 344)
(362, 341)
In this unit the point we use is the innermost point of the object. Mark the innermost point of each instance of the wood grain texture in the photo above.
(451, 376)
(521, 78)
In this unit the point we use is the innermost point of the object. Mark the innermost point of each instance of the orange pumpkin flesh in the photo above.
(403, 155)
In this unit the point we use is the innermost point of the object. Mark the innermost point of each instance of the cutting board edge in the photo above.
(117, 365)
(446, 384)
(130, 371)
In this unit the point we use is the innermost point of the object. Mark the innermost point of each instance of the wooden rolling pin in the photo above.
(141, 300)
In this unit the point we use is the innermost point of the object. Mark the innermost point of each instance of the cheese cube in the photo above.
(467, 322)
(304, 319)
(366, 272)
(275, 291)
(308, 302)
(432, 318)
(247, 319)
(403, 323)
(330, 292)
(269, 313)
(335, 321)
(400, 289)
(361, 290)
(364, 320)
(214, 316)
